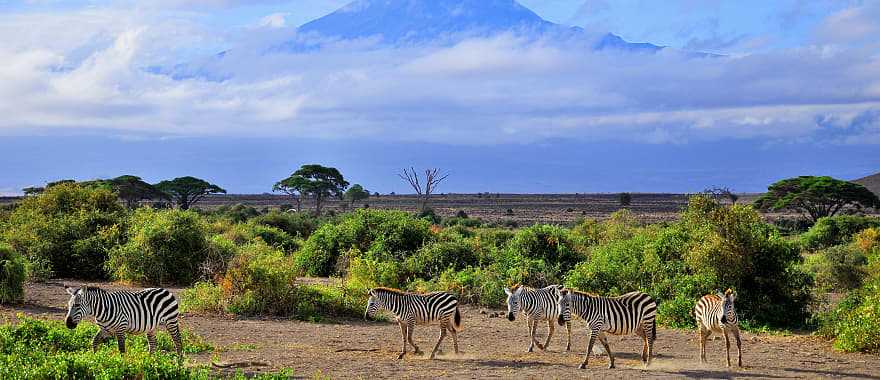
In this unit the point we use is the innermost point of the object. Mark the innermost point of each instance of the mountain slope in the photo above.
(872, 182)
(411, 21)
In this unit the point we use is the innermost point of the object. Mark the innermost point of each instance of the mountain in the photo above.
(872, 182)
(401, 22)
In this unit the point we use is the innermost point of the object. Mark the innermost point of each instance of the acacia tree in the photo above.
(133, 189)
(292, 186)
(433, 177)
(314, 180)
(187, 191)
(356, 193)
(816, 197)
(719, 193)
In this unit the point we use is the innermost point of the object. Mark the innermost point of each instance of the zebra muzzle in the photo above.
(561, 320)
(70, 324)
(511, 317)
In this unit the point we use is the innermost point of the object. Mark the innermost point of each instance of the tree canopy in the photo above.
(314, 180)
(356, 193)
(816, 197)
(187, 191)
(133, 189)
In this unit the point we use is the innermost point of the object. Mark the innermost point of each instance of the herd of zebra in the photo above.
(118, 313)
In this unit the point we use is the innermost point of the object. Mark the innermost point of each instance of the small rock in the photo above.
(483, 311)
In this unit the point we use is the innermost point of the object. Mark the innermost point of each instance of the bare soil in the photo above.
(492, 347)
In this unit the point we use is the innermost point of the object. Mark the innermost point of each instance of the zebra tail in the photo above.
(456, 319)
(654, 330)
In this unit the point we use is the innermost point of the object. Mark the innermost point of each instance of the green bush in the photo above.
(238, 213)
(163, 247)
(34, 349)
(389, 235)
(853, 323)
(433, 259)
(13, 271)
(66, 232)
(838, 268)
(836, 230)
(553, 245)
(296, 224)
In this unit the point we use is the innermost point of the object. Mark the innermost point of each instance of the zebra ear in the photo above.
(70, 290)
(507, 291)
(518, 290)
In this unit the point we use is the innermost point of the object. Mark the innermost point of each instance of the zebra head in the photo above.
(373, 304)
(728, 313)
(563, 303)
(513, 301)
(77, 306)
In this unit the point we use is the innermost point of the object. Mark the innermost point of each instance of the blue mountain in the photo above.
(402, 22)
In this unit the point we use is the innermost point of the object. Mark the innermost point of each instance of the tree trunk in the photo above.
(318, 200)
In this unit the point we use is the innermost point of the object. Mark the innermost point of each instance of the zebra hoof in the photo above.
(582, 366)
(400, 356)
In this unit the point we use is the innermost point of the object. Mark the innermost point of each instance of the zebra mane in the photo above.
(580, 293)
(390, 290)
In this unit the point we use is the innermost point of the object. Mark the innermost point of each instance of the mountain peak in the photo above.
(397, 21)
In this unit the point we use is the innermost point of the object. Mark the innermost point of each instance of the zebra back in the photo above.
(619, 315)
(538, 304)
(422, 308)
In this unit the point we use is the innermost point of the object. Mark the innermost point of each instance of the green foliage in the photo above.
(816, 197)
(385, 234)
(313, 180)
(854, 321)
(261, 280)
(836, 230)
(625, 199)
(187, 191)
(838, 268)
(356, 193)
(296, 224)
(133, 189)
(552, 245)
(13, 271)
(436, 257)
(163, 247)
(428, 214)
(238, 213)
(66, 231)
(34, 349)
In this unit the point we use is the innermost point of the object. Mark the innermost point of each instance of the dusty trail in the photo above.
(491, 348)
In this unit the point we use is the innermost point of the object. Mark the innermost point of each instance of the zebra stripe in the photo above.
(410, 309)
(631, 313)
(537, 305)
(716, 313)
(121, 312)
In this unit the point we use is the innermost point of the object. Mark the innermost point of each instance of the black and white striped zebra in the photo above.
(121, 312)
(537, 305)
(716, 313)
(411, 309)
(631, 313)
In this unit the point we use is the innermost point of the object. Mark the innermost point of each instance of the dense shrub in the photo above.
(237, 213)
(66, 232)
(34, 349)
(433, 259)
(387, 235)
(854, 321)
(163, 247)
(13, 270)
(553, 245)
(261, 280)
(836, 230)
(838, 268)
(296, 224)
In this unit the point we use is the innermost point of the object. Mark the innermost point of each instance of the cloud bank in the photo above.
(95, 70)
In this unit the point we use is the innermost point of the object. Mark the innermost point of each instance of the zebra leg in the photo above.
(604, 341)
(651, 335)
(727, 342)
(454, 339)
(409, 333)
(403, 329)
(593, 335)
(535, 339)
(174, 330)
(738, 347)
(98, 339)
(568, 327)
(439, 340)
(550, 325)
(531, 335)
(151, 341)
(640, 332)
(704, 334)
(120, 340)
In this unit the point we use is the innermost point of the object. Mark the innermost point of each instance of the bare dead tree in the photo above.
(720, 193)
(433, 177)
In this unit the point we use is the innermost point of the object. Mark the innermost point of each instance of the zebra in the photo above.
(631, 313)
(121, 312)
(410, 309)
(537, 305)
(716, 313)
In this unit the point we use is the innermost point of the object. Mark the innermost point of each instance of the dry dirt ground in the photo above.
(491, 347)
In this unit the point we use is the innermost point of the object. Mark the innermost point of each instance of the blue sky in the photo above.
(86, 91)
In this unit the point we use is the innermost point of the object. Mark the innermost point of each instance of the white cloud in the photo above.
(87, 70)
(275, 20)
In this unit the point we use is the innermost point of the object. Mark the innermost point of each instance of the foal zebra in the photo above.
(121, 312)
(410, 309)
(631, 313)
(537, 305)
(716, 313)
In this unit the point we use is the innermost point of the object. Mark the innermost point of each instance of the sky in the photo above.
(92, 89)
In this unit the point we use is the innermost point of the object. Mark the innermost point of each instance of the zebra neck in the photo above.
(393, 303)
(97, 302)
